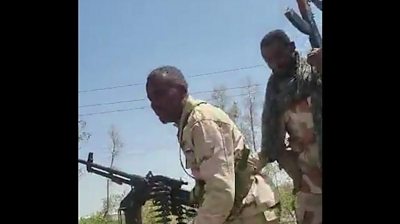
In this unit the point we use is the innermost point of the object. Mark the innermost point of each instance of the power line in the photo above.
(225, 71)
(117, 102)
(231, 88)
(191, 76)
(112, 111)
(139, 108)
(142, 99)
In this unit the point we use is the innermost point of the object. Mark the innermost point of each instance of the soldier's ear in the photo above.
(182, 90)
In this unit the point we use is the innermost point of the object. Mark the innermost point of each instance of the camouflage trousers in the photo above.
(260, 218)
(309, 208)
(256, 219)
(251, 215)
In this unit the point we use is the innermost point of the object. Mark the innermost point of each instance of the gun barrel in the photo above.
(111, 173)
(130, 179)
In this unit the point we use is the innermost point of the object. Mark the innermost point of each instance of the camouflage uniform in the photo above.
(299, 124)
(213, 145)
(289, 109)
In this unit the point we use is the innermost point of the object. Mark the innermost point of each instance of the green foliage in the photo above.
(148, 212)
(281, 181)
(97, 218)
(287, 202)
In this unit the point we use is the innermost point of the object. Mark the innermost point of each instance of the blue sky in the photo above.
(120, 42)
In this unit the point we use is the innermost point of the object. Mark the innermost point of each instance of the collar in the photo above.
(189, 104)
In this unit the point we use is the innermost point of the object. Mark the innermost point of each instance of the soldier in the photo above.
(293, 106)
(214, 150)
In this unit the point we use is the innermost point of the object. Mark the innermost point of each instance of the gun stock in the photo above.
(306, 24)
(298, 22)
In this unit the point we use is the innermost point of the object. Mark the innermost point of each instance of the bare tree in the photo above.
(245, 119)
(83, 137)
(111, 204)
(115, 147)
(250, 119)
(220, 99)
(234, 112)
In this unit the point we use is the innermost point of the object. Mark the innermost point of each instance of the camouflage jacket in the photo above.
(285, 92)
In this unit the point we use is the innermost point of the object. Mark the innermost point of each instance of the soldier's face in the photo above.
(166, 99)
(278, 56)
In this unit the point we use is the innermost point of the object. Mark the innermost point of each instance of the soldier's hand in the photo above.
(258, 161)
(314, 58)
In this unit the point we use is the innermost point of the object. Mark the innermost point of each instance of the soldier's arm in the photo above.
(215, 152)
(263, 153)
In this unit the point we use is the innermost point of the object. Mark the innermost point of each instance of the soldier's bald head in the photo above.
(166, 89)
(169, 76)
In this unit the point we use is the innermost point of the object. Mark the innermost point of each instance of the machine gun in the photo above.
(306, 23)
(165, 192)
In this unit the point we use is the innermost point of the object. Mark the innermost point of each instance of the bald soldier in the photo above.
(228, 187)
